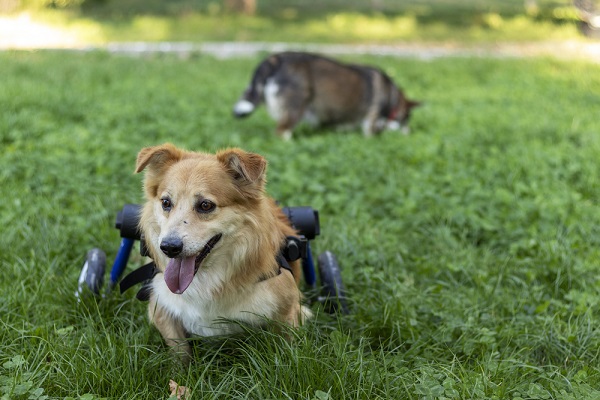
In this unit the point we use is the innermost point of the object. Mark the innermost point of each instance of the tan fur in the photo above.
(240, 278)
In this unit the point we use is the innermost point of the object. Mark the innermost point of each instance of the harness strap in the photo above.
(139, 275)
(283, 263)
(148, 271)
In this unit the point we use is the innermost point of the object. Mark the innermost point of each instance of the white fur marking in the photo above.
(367, 128)
(272, 101)
(393, 125)
(286, 135)
(243, 107)
(200, 312)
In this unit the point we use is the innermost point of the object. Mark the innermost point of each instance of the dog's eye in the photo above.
(205, 206)
(166, 204)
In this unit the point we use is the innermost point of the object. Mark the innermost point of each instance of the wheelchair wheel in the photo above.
(333, 295)
(92, 273)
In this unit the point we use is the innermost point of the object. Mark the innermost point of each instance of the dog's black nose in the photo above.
(171, 246)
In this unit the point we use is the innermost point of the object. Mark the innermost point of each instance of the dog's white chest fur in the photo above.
(275, 106)
(204, 314)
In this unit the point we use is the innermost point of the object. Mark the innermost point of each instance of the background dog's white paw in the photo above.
(393, 125)
(243, 107)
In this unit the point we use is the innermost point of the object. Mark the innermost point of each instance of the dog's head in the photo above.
(400, 115)
(195, 202)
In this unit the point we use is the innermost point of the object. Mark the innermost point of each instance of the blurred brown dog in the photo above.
(214, 236)
(296, 86)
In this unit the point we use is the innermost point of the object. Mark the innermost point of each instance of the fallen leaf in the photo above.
(181, 392)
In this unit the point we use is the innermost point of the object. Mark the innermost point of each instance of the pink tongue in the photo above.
(180, 273)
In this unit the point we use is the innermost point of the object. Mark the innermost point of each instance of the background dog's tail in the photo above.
(254, 94)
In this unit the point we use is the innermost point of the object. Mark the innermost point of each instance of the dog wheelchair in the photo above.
(305, 220)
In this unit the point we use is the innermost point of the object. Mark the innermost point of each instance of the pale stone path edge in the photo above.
(566, 50)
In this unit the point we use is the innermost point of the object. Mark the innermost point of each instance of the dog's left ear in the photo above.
(156, 160)
(248, 170)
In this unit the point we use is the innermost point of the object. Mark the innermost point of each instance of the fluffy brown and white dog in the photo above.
(296, 86)
(214, 236)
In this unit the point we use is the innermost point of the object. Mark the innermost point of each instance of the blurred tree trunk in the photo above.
(377, 5)
(247, 7)
(531, 7)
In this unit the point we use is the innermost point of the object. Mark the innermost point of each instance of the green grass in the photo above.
(470, 249)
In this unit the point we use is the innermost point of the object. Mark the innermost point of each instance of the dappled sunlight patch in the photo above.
(493, 20)
(151, 28)
(26, 30)
(378, 27)
(71, 28)
(356, 27)
(520, 28)
(565, 13)
(192, 27)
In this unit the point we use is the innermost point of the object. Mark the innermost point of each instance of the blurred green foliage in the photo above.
(381, 21)
(453, 11)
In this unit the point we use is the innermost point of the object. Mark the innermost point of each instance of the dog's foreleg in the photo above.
(286, 134)
(369, 123)
(368, 127)
(285, 126)
(171, 330)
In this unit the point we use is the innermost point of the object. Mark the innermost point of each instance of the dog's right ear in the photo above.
(156, 160)
(247, 170)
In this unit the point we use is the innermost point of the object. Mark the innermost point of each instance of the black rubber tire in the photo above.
(95, 264)
(333, 293)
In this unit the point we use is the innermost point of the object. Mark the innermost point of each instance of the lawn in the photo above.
(470, 249)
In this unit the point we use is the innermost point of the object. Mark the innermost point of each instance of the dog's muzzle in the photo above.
(171, 246)
(180, 272)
